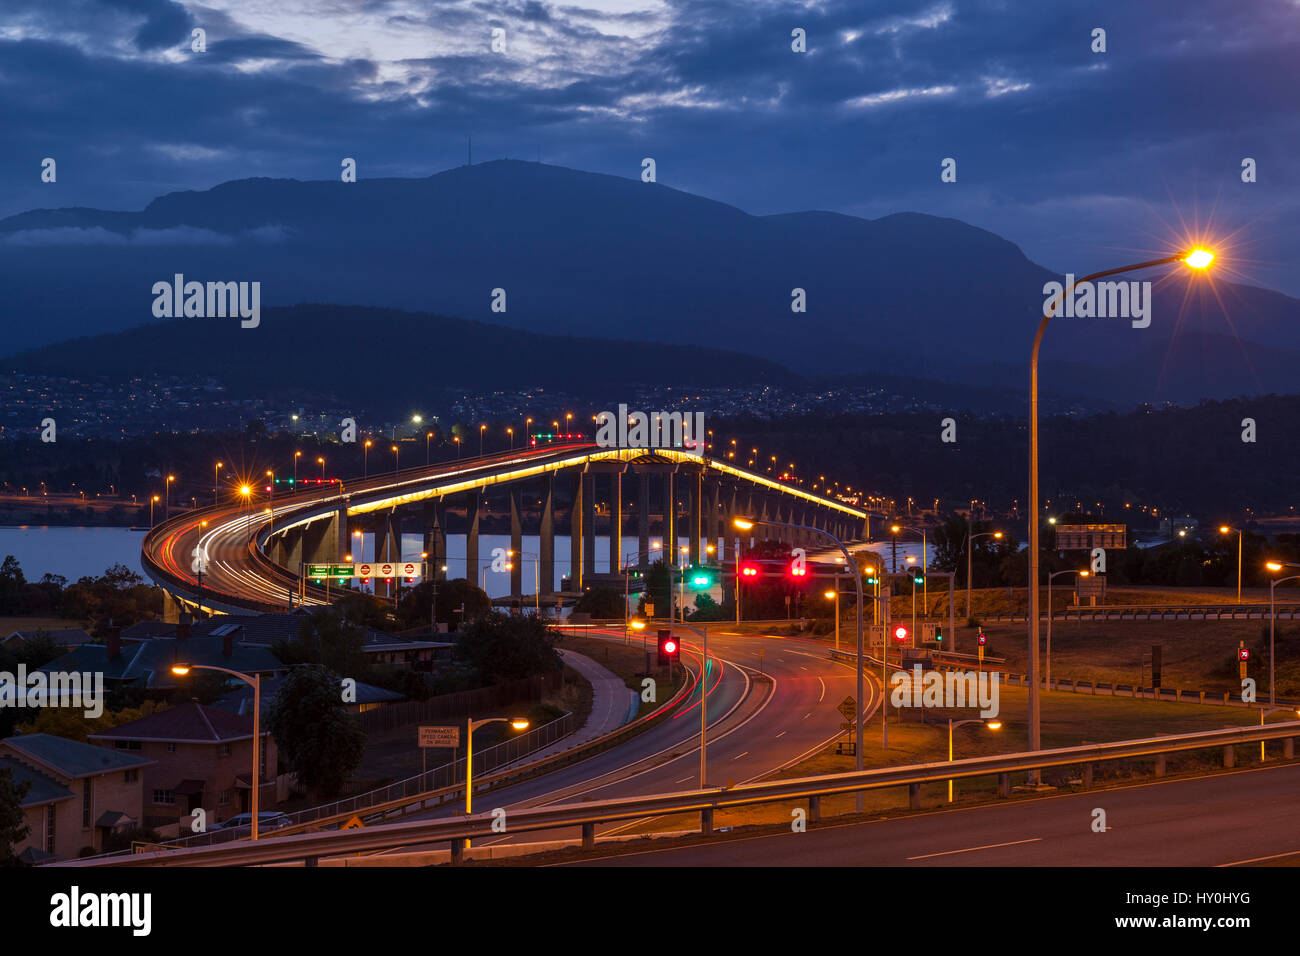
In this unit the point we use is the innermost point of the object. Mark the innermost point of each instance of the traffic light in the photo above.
(749, 570)
(901, 633)
(798, 569)
(668, 647)
(700, 579)
(938, 635)
(918, 577)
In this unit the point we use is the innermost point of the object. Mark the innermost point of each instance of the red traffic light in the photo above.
(798, 570)
(901, 632)
(748, 571)
(670, 647)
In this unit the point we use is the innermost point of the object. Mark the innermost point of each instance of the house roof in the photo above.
(189, 723)
(148, 663)
(240, 700)
(70, 758)
(64, 636)
(263, 629)
(148, 630)
(43, 789)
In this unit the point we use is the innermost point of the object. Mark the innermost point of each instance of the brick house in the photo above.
(79, 794)
(198, 756)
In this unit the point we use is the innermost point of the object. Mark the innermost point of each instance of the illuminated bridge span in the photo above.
(254, 556)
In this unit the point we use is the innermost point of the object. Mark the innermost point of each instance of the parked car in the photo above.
(266, 821)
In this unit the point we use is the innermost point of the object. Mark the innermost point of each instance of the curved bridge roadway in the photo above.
(241, 579)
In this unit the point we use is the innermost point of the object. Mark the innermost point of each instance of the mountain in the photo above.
(376, 356)
(588, 255)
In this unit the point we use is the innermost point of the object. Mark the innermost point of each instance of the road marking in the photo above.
(684, 779)
(780, 735)
(802, 668)
(972, 849)
(1258, 859)
(807, 715)
(823, 696)
(738, 756)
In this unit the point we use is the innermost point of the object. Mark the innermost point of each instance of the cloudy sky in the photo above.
(1082, 158)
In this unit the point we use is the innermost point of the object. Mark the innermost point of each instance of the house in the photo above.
(198, 756)
(61, 636)
(148, 663)
(80, 794)
(240, 699)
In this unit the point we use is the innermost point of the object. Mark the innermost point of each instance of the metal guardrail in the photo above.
(1157, 612)
(310, 847)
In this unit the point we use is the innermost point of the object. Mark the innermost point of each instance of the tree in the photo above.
(319, 740)
(601, 603)
(327, 638)
(502, 648)
(13, 828)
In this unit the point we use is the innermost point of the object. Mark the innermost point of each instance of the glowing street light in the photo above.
(1224, 529)
(953, 725)
(1197, 258)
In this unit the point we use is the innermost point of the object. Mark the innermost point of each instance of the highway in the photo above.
(1236, 818)
(756, 726)
(241, 578)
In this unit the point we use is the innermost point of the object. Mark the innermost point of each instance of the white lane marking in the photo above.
(972, 849)
(806, 716)
(684, 779)
(738, 756)
(1259, 859)
(823, 695)
(780, 735)
(801, 667)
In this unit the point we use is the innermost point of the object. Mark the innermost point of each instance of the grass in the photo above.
(628, 663)
(393, 755)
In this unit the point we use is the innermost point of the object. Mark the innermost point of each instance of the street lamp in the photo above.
(953, 725)
(216, 482)
(271, 509)
(970, 555)
(925, 572)
(482, 430)
(296, 456)
(321, 462)
(1194, 259)
(152, 502)
(835, 596)
(427, 436)
(255, 682)
(1272, 618)
(397, 457)
(365, 459)
(747, 524)
(1054, 574)
(167, 498)
(518, 723)
(1226, 530)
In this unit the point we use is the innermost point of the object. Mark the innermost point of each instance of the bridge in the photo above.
(253, 553)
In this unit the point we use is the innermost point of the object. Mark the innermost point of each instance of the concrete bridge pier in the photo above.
(576, 532)
(616, 520)
(472, 568)
(643, 519)
(516, 547)
(435, 537)
(546, 536)
(588, 524)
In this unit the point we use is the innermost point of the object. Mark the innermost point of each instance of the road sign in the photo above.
(353, 824)
(849, 708)
(439, 737)
(386, 569)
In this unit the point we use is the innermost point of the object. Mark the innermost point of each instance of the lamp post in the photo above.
(747, 524)
(1195, 259)
(835, 596)
(321, 462)
(1272, 618)
(152, 502)
(482, 430)
(925, 569)
(518, 723)
(970, 556)
(1047, 668)
(627, 585)
(216, 482)
(1226, 530)
(953, 725)
(167, 496)
(255, 682)
(365, 458)
(296, 456)
(271, 509)
(397, 458)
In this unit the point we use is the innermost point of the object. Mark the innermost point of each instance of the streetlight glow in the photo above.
(1199, 258)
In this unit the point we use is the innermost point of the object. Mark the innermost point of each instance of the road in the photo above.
(757, 724)
(1235, 818)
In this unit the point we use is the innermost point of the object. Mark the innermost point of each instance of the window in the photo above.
(49, 828)
(261, 760)
(86, 800)
(126, 745)
(164, 796)
(223, 797)
(224, 750)
(171, 748)
(131, 776)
